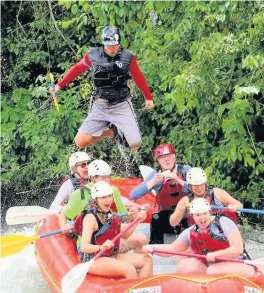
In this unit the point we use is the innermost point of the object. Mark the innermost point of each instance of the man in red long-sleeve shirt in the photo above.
(112, 67)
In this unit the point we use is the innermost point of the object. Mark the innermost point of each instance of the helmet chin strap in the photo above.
(174, 168)
(99, 210)
(78, 175)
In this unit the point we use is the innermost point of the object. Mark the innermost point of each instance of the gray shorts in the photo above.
(122, 115)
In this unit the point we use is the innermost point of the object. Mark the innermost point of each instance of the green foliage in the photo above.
(203, 60)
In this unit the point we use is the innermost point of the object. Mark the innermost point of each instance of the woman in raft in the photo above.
(213, 236)
(199, 188)
(100, 225)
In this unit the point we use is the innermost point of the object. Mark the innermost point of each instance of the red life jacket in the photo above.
(204, 242)
(108, 230)
(113, 207)
(170, 193)
(210, 197)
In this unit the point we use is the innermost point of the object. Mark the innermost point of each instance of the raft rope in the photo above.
(205, 282)
(54, 283)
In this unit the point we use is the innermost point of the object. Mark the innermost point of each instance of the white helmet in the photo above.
(196, 176)
(101, 189)
(78, 157)
(99, 168)
(199, 205)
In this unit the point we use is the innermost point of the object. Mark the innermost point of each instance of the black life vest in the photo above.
(75, 182)
(110, 74)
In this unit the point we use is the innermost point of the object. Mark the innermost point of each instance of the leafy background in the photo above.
(204, 62)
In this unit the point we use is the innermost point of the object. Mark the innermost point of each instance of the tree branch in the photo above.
(56, 26)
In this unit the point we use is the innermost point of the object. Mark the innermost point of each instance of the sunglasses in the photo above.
(83, 165)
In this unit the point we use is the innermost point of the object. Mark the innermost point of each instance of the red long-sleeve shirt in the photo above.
(85, 64)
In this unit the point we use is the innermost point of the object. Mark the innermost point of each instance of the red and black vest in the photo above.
(210, 197)
(170, 193)
(106, 231)
(209, 241)
(110, 74)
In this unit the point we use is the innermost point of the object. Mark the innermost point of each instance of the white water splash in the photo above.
(20, 272)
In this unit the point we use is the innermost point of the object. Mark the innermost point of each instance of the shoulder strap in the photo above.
(74, 182)
(182, 171)
(82, 188)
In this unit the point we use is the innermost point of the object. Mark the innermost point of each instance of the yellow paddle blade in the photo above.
(11, 244)
(56, 103)
(51, 77)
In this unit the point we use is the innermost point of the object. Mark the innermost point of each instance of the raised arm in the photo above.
(179, 212)
(75, 71)
(227, 199)
(153, 181)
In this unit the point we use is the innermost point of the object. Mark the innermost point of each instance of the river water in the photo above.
(20, 272)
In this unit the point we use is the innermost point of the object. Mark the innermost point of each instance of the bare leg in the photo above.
(190, 265)
(136, 241)
(136, 146)
(112, 267)
(242, 270)
(142, 262)
(82, 140)
(180, 258)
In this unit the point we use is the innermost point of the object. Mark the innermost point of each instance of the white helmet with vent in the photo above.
(99, 168)
(196, 176)
(76, 158)
(101, 189)
(199, 205)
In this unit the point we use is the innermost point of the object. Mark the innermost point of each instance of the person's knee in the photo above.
(211, 270)
(148, 260)
(130, 272)
(140, 239)
(136, 146)
(190, 265)
(143, 239)
(82, 140)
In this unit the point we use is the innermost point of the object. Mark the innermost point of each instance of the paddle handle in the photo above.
(50, 234)
(117, 237)
(251, 211)
(198, 255)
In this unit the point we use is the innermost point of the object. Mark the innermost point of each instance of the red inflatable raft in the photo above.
(56, 255)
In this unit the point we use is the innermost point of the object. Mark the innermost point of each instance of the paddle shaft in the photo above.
(198, 256)
(50, 234)
(100, 253)
(146, 170)
(251, 211)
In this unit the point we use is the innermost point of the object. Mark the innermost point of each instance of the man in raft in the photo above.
(78, 165)
(99, 226)
(169, 184)
(112, 66)
(213, 236)
(81, 199)
(197, 181)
